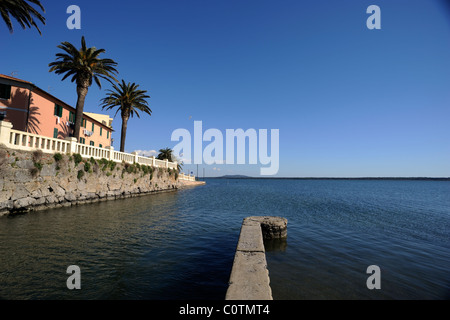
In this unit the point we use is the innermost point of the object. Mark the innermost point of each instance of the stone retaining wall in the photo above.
(249, 279)
(35, 180)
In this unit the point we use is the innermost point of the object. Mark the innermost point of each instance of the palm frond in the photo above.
(25, 14)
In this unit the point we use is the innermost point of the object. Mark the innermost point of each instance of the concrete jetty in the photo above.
(249, 279)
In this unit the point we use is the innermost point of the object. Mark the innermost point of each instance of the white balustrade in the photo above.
(16, 139)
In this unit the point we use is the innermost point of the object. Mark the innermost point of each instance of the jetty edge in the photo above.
(249, 278)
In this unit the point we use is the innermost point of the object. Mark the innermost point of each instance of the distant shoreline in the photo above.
(331, 178)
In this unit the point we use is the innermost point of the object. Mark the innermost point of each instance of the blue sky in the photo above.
(348, 101)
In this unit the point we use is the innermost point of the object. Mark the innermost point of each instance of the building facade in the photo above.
(34, 110)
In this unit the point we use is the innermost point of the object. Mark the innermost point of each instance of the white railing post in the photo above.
(136, 157)
(153, 161)
(72, 145)
(5, 132)
(167, 163)
(111, 152)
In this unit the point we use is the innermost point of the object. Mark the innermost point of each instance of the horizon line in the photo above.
(324, 178)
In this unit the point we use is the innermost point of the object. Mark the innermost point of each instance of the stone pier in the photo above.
(249, 279)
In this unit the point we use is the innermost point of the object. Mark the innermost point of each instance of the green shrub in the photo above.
(77, 158)
(38, 165)
(92, 160)
(87, 166)
(57, 156)
(80, 174)
(130, 168)
(111, 165)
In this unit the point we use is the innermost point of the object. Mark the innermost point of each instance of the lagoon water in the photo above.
(180, 245)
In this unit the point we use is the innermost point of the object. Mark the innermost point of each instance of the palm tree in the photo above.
(164, 154)
(23, 12)
(167, 153)
(129, 99)
(179, 164)
(84, 65)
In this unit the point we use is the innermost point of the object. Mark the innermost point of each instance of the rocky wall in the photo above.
(36, 181)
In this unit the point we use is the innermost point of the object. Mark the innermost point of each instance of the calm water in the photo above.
(181, 245)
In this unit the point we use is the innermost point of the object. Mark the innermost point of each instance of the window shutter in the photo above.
(58, 110)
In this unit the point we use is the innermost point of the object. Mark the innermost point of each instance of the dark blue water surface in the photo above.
(180, 245)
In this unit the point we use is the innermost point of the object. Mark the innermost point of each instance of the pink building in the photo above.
(34, 110)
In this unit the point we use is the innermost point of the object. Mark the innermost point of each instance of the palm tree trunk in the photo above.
(82, 92)
(123, 133)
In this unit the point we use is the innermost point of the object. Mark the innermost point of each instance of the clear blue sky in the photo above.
(348, 101)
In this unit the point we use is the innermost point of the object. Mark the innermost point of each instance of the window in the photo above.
(55, 133)
(84, 123)
(91, 143)
(5, 91)
(107, 134)
(82, 140)
(101, 130)
(58, 110)
(93, 128)
(71, 117)
(100, 145)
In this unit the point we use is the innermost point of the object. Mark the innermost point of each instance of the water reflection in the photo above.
(275, 245)
(104, 239)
